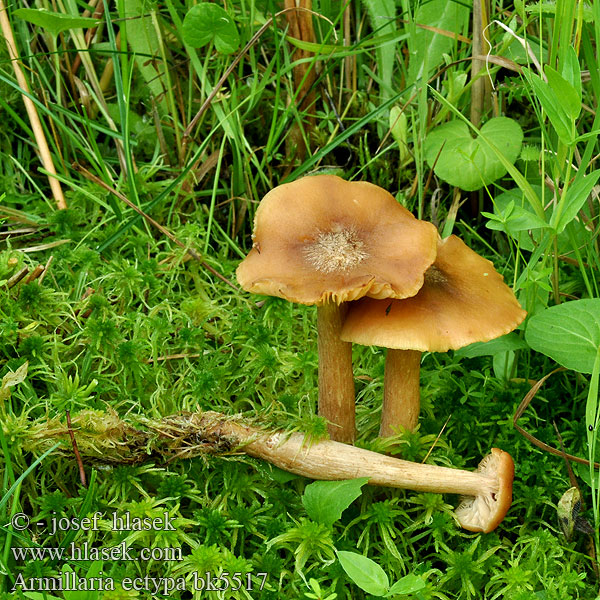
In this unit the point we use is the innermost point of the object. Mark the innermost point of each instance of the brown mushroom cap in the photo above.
(485, 511)
(463, 300)
(322, 238)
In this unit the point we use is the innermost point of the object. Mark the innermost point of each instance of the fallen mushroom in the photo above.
(104, 438)
(323, 240)
(463, 300)
(489, 489)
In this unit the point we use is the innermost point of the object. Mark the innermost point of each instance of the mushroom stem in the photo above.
(336, 382)
(334, 460)
(401, 391)
(490, 487)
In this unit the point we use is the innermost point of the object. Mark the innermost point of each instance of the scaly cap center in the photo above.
(338, 250)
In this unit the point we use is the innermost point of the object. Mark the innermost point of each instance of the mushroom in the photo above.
(488, 490)
(324, 241)
(485, 511)
(463, 300)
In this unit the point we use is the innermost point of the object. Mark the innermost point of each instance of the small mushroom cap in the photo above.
(463, 300)
(322, 239)
(485, 512)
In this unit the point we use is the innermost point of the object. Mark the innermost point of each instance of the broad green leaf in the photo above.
(552, 106)
(573, 201)
(399, 131)
(409, 584)
(571, 70)
(510, 167)
(510, 341)
(470, 163)
(382, 14)
(568, 333)
(427, 48)
(325, 501)
(277, 474)
(143, 40)
(53, 22)
(549, 8)
(502, 364)
(94, 571)
(365, 573)
(567, 95)
(206, 22)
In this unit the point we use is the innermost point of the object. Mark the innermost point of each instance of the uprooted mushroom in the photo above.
(104, 438)
(463, 300)
(487, 491)
(325, 241)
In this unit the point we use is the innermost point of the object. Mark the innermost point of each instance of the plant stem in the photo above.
(336, 382)
(36, 124)
(401, 391)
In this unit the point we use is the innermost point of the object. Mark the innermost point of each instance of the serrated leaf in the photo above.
(573, 201)
(53, 22)
(568, 333)
(206, 22)
(325, 501)
(469, 163)
(365, 573)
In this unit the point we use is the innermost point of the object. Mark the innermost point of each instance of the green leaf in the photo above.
(510, 341)
(325, 501)
(409, 584)
(573, 201)
(567, 95)
(277, 474)
(427, 48)
(568, 333)
(365, 573)
(552, 106)
(399, 131)
(502, 364)
(470, 163)
(206, 22)
(143, 40)
(90, 594)
(53, 22)
(382, 14)
(571, 70)
(521, 220)
(513, 219)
